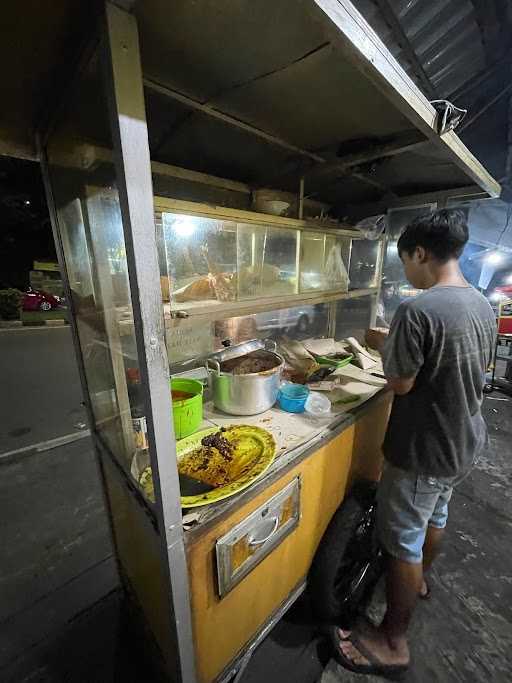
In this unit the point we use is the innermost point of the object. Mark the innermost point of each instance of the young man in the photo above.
(435, 358)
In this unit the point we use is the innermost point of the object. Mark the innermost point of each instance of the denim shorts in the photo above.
(408, 503)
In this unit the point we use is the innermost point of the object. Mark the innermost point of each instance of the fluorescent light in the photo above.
(508, 279)
(184, 226)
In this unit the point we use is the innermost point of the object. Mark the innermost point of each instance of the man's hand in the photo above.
(375, 338)
(401, 385)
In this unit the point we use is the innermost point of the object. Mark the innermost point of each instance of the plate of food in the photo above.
(214, 464)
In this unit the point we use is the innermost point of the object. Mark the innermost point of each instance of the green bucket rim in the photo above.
(195, 382)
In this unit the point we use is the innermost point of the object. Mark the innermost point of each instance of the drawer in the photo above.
(250, 541)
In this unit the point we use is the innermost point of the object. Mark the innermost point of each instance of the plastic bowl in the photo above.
(292, 397)
(187, 414)
(318, 405)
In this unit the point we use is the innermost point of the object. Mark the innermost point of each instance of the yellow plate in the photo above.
(253, 454)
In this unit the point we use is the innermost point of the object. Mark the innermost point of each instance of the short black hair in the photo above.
(443, 234)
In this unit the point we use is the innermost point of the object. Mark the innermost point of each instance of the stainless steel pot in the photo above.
(247, 394)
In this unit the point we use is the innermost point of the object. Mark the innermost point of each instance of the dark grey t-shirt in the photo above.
(446, 336)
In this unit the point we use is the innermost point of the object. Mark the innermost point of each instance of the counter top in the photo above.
(296, 435)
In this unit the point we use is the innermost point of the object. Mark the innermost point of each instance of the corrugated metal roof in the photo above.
(444, 35)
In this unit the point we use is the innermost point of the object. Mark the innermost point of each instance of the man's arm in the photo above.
(401, 349)
(376, 338)
(399, 385)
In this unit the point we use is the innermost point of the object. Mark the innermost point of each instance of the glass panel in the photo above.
(353, 317)
(267, 261)
(207, 262)
(364, 261)
(395, 287)
(84, 187)
(323, 261)
(398, 219)
(201, 259)
(299, 322)
(189, 342)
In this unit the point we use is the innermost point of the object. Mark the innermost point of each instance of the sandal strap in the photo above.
(371, 658)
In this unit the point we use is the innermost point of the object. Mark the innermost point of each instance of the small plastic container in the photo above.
(292, 397)
(318, 405)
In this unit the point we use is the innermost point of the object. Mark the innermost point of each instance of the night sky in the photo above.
(25, 229)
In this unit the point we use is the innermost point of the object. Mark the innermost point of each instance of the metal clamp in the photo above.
(179, 315)
(252, 541)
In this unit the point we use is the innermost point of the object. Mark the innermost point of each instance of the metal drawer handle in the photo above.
(260, 541)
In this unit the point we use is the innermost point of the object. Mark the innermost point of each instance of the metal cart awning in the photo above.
(263, 93)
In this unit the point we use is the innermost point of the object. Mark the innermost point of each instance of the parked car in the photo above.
(37, 300)
(300, 317)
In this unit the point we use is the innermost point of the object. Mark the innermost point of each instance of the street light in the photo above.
(494, 257)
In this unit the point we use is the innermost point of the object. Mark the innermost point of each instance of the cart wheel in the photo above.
(348, 563)
(488, 389)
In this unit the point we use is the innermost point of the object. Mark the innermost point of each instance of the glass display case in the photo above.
(364, 263)
(201, 259)
(353, 317)
(267, 261)
(222, 278)
(93, 243)
(206, 262)
(324, 260)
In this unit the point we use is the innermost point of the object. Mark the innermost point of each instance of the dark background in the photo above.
(25, 230)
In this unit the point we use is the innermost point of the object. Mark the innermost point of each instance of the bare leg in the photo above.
(403, 582)
(388, 642)
(432, 546)
(431, 549)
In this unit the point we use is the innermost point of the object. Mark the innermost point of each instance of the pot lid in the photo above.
(237, 350)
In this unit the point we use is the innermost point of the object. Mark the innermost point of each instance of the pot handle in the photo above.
(271, 345)
(212, 366)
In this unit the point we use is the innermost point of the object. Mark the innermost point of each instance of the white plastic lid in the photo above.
(317, 404)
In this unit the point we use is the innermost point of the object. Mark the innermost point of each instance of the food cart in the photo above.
(158, 156)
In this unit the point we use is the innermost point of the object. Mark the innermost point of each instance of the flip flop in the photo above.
(393, 672)
(363, 621)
